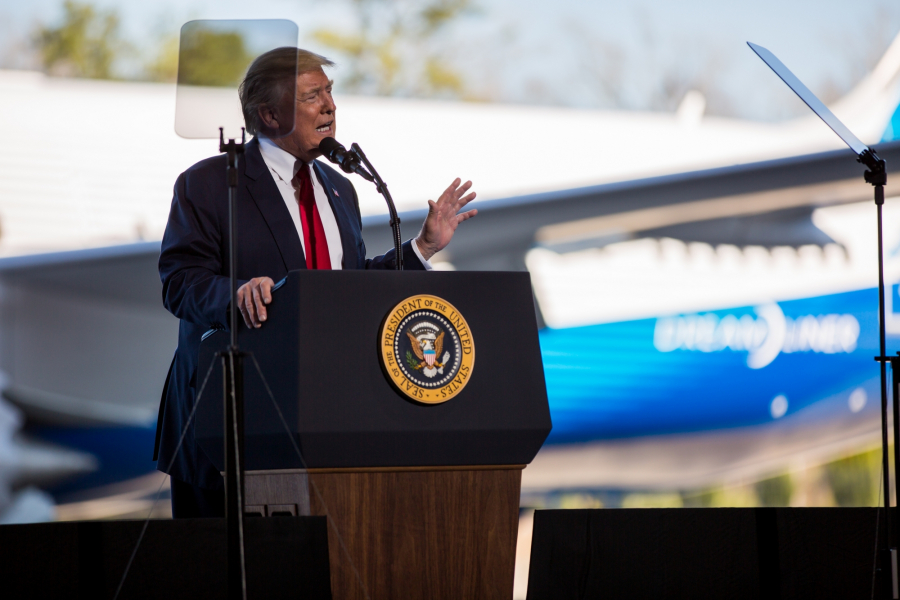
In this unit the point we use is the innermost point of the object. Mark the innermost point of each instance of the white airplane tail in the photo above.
(868, 108)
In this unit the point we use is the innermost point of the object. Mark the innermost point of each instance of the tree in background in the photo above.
(426, 48)
(86, 44)
(213, 58)
(164, 66)
(856, 480)
(395, 48)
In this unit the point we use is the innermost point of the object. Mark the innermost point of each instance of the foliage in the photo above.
(775, 491)
(164, 66)
(410, 361)
(396, 49)
(213, 58)
(578, 501)
(849, 481)
(657, 500)
(720, 497)
(86, 44)
(855, 480)
(413, 48)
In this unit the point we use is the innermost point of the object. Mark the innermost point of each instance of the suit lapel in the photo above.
(264, 192)
(343, 217)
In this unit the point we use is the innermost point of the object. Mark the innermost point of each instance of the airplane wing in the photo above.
(767, 204)
(86, 339)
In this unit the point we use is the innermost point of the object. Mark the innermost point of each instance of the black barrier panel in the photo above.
(733, 553)
(287, 557)
(643, 553)
(826, 552)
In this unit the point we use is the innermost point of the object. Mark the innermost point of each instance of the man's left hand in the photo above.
(444, 217)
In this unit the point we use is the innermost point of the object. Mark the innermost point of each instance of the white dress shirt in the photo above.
(284, 166)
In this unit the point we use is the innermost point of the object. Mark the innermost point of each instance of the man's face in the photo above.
(314, 115)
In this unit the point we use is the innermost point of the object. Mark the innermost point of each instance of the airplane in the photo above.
(703, 285)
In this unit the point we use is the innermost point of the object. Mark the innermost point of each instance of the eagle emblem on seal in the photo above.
(427, 341)
(426, 349)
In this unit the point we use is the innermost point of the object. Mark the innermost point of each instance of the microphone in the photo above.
(347, 160)
(350, 162)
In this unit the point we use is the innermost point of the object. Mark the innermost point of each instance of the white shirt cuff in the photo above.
(425, 263)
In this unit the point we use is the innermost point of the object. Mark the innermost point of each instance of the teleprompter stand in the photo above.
(233, 395)
(876, 175)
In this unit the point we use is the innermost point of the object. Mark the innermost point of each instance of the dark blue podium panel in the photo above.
(319, 354)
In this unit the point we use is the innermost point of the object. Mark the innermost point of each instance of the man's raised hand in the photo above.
(252, 298)
(444, 217)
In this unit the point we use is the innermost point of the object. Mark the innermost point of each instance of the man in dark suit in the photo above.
(293, 212)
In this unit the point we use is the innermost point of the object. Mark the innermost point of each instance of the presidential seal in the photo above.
(426, 349)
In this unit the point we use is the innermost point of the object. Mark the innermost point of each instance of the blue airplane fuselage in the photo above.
(712, 370)
(685, 373)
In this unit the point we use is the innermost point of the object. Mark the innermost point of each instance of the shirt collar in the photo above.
(282, 162)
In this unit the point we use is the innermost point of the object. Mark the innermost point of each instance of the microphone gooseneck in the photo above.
(351, 161)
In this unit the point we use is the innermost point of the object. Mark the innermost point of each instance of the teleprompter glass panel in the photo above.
(213, 58)
(810, 99)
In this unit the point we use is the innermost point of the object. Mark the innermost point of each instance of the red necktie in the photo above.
(313, 231)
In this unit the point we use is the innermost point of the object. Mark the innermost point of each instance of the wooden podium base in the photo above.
(406, 532)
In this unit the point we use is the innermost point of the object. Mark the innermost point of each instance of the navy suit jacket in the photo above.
(193, 266)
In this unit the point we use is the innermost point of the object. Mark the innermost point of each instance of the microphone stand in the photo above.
(233, 392)
(877, 176)
(381, 186)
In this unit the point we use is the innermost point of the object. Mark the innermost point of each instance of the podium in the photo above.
(416, 399)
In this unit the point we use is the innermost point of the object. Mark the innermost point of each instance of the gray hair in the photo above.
(270, 76)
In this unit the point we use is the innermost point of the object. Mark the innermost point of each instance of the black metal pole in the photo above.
(881, 360)
(895, 401)
(233, 388)
(382, 188)
(233, 368)
(888, 530)
(877, 176)
(232, 249)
